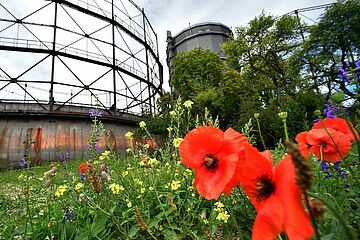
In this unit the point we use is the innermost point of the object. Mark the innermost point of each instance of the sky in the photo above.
(173, 15)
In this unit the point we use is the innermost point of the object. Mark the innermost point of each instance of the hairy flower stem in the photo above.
(261, 137)
(313, 221)
(342, 221)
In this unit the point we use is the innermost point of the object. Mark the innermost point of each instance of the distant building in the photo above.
(207, 35)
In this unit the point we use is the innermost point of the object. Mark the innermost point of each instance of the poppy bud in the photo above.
(48, 183)
(317, 208)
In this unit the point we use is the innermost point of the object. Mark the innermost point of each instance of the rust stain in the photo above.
(74, 140)
(111, 140)
(37, 146)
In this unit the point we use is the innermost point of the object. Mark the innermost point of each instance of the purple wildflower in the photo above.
(343, 75)
(67, 214)
(323, 166)
(97, 148)
(82, 178)
(92, 112)
(68, 155)
(23, 162)
(100, 114)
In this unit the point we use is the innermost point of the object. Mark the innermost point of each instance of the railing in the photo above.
(44, 45)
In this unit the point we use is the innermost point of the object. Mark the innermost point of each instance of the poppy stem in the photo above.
(313, 221)
(336, 214)
(285, 129)
(355, 136)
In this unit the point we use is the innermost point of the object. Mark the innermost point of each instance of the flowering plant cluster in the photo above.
(222, 160)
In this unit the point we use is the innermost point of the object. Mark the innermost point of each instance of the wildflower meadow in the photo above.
(206, 184)
(265, 146)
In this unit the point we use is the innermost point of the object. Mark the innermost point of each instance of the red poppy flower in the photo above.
(213, 154)
(323, 147)
(82, 169)
(340, 125)
(275, 196)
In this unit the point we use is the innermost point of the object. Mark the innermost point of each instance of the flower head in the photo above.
(331, 144)
(23, 162)
(142, 124)
(82, 168)
(172, 113)
(129, 135)
(342, 74)
(60, 190)
(213, 154)
(79, 186)
(177, 142)
(116, 188)
(275, 195)
(188, 104)
(175, 185)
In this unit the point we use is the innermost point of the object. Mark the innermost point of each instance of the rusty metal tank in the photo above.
(54, 133)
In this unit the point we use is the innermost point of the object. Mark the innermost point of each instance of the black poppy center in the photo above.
(264, 187)
(211, 162)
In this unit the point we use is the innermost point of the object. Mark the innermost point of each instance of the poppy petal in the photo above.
(302, 144)
(211, 183)
(198, 143)
(268, 222)
(238, 141)
(296, 222)
(254, 165)
(323, 145)
(340, 125)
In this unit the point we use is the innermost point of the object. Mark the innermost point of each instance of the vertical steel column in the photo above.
(51, 100)
(114, 62)
(147, 63)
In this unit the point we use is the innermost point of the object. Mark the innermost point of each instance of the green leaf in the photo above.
(133, 231)
(170, 235)
(98, 224)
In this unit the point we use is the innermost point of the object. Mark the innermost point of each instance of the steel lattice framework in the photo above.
(79, 53)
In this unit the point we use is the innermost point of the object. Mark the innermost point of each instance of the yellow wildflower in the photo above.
(142, 124)
(128, 203)
(153, 161)
(219, 204)
(125, 173)
(79, 186)
(106, 153)
(116, 188)
(177, 142)
(223, 216)
(60, 190)
(175, 185)
(129, 135)
(172, 113)
(169, 129)
(188, 104)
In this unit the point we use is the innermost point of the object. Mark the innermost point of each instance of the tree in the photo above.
(334, 44)
(263, 51)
